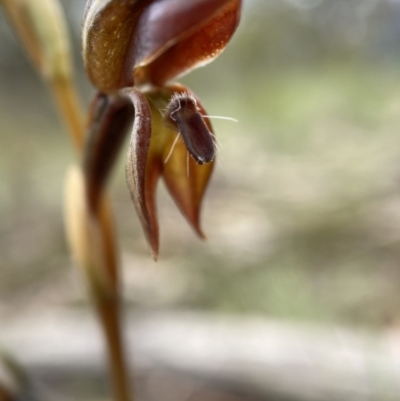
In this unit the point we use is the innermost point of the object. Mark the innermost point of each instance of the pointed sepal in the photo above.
(141, 173)
(110, 118)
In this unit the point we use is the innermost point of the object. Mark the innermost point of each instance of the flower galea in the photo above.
(132, 50)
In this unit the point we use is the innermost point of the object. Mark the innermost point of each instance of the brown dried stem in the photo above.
(92, 240)
(108, 300)
(69, 108)
(109, 313)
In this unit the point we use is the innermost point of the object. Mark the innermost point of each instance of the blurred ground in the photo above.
(303, 213)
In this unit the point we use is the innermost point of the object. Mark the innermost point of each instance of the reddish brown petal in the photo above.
(200, 47)
(143, 168)
(110, 118)
(164, 22)
(119, 35)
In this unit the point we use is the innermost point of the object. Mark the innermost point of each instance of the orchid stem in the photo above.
(43, 32)
(70, 109)
(109, 313)
(107, 300)
(108, 308)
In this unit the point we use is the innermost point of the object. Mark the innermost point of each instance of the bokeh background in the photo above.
(303, 212)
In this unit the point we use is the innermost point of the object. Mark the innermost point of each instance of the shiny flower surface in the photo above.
(132, 50)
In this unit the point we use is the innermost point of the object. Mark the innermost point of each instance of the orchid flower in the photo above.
(132, 51)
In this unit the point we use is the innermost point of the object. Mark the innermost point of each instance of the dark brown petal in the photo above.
(199, 48)
(110, 118)
(143, 168)
(164, 22)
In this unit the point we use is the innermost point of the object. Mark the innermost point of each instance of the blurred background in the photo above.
(303, 212)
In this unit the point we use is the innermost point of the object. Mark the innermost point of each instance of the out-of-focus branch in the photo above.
(40, 24)
(92, 240)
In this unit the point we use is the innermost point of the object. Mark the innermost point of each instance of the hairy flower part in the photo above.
(183, 114)
(167, 157)
(153, 41)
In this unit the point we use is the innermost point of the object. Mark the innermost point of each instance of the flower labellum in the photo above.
(155, 151)
(183, 112)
